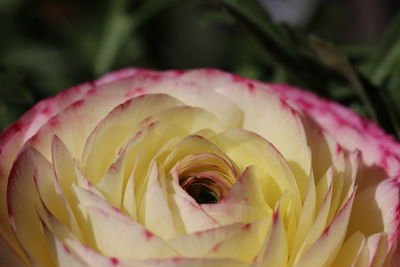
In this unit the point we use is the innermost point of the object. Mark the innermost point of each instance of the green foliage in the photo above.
(49, 45)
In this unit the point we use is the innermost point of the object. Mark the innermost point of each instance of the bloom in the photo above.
(201, 167)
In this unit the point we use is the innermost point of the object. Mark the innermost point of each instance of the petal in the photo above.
(91, 257)
(62, 255)
(8, 257)
(350, 250)
(271, 169)
(274, 251)
(116, 129)
(194, 95)
(112, 183)
(117, 236)
(325, 249)
(157, 214)
(188, 214)
(382, 201)
(349, 129)
(250, 237)
(13, 138)
(23, 204)
(188, 262)
(243, 203)
(205, 240)
(320, 221)
(277, 122)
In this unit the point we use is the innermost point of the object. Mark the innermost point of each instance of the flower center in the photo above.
(206, 177)
(203, 190)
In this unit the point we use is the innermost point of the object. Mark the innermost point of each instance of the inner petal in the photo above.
(206, 177)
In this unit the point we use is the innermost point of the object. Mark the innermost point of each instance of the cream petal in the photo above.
(157, 214)
(197, 244)
(350, 250)
(24, 203)
(62, 255)
(118, 236)
(194, 95)
(112, 183)
(192, 119)
(129, 199)
(192, 145)
(243, 203)
(250, 237)
(349, 129)
(91, 257)
(275, 248)
(187, 213)
(188, 262)
(13, 138)
(105, 142)
(64, 168)
(277, 121)
(319, 223)
(382, 203)
(271, 169)
(326, 247)
(115, 234)
(306, 218)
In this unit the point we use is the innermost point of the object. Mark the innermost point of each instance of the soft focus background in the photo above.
(49, 45)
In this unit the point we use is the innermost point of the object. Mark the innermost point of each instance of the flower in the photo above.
(201, 167)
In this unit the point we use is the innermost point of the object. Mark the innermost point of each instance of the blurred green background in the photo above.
(50, 45)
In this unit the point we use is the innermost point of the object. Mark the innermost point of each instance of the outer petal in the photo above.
(13, 138)
(349, 129)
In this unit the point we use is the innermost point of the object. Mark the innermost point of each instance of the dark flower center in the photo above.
(203, 190)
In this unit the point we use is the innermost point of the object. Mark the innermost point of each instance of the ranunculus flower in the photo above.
(196, 168)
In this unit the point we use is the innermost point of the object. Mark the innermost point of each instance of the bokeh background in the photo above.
(49, 45)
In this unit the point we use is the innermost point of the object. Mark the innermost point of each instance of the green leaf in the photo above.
(297, 54)
(120, 25)
(387, 54)
(378, 106)
(285, 47)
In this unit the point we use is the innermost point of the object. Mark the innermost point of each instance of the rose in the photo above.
(182, 168)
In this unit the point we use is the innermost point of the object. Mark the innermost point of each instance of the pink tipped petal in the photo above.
(129, 198)
(116, 128)
(13, 138)
(306, 218)
(349, 129)
(194, 95)
(23, 203)
(61, 253)
(117, 236)
(326, 247)
(250, 149)
(188, 262)
(188, 213)
(250, 237)
(378, 249)
(204, 241)
(277, 122)
(157, 214)
(112, 183)
(91, 257)
(382, 201)
(274, 251)
(243, 203)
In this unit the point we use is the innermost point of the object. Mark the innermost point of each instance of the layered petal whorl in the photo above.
(201, 167)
